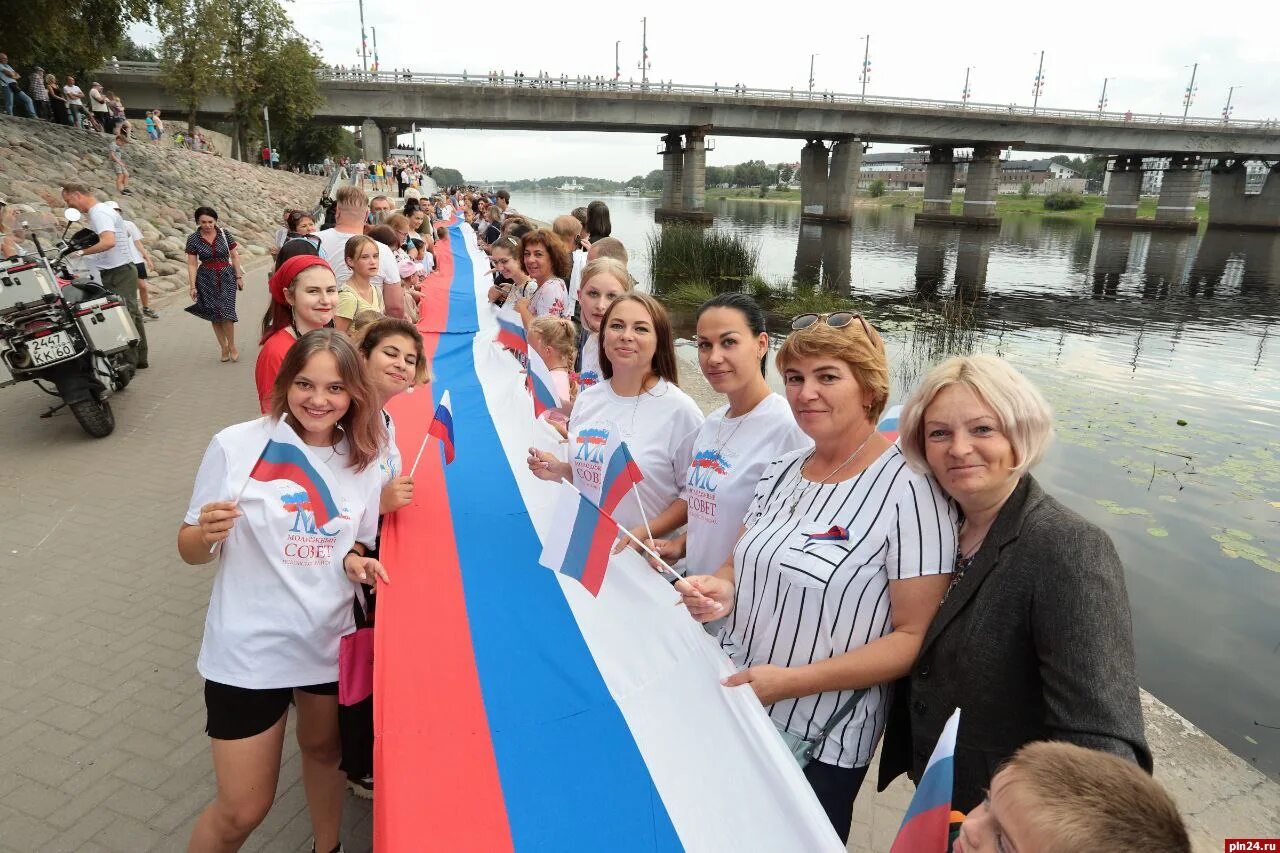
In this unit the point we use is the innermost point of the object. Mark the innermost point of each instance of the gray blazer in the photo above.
(1035, 643)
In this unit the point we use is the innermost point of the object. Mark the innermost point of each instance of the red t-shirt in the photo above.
(270, 357)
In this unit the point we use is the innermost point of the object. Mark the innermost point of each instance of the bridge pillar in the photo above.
(931, 260)
(842, 181)
(972, 256)
(694, 176)
(1229, 207)
(672, 179)
(1176, 205)
(371, 142)
(1124, 183)
(1110, 260)
(813, 179)
(982, 183)
(939, 179)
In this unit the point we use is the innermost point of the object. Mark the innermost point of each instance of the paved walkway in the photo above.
(101, 712)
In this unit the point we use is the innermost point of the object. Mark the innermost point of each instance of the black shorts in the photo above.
(234, 713)
(142, 270)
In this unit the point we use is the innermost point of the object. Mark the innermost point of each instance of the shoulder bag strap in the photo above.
(845, 710)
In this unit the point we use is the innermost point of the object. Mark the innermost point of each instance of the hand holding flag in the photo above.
(540, 384)
(511, 333)
(442, 428)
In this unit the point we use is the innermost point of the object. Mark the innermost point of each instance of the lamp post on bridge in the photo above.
(364, 45)
(811, 57)
(1038, 86)
(964, 96)
(617, 63)
(1102, 99)
(865, 76)
(644, 53)
(1191, 90)
(1226, 111)
(375, 49)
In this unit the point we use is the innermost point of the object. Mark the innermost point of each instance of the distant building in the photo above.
(905, 170)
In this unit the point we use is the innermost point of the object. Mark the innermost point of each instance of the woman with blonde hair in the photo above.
(555, 340)
(1034, 638)
(603, 281)
(841, 562)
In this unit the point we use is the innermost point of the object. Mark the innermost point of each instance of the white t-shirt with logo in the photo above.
(591, 373)
(333, 248)
(575, 278)
(281, 600)
(659, 427)
(729, 455)
(390, 463)
(103, 218)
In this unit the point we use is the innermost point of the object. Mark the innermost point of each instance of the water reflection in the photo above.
(1155, 351)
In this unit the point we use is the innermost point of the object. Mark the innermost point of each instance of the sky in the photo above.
(919, 51)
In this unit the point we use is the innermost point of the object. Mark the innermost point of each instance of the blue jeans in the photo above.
(23, 98)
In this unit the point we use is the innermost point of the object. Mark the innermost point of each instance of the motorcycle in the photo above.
(65, 330)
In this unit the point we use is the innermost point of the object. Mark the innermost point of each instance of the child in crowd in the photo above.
(603, 281)
(555, 339)
(1055, 797)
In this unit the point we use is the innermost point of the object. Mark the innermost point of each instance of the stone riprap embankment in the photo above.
(168, 184)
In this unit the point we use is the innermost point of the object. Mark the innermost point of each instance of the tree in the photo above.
(447, 177)
(312, 142)
(876, 188)
(785, 174)
(653, 181)
(128, 50)
(253, 29)
(67, 35)
(288, 87)
(191, 46)
(1024, 191)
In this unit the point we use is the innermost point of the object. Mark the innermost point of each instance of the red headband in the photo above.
(288, 271)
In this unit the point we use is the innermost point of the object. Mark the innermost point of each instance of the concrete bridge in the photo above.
(836, 128)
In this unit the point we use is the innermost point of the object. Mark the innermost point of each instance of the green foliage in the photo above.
(691, 253)
(785, 173)
(809, 301)
(689, 294)
(753, 173)
(1063, 201)
(67, 36)
(128, 50)
(876, 188)
(447, 177)
(312, 142)
(1024, 191)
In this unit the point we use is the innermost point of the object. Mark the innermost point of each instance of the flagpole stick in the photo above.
(635, 490)
(670, 572)
(214, 547)
(418, 458)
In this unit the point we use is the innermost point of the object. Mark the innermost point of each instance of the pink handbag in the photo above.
(355, 661)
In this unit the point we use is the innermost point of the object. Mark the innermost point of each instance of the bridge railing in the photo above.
(745, 93)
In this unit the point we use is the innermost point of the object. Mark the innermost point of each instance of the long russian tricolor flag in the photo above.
(513, 709)
(926, 825)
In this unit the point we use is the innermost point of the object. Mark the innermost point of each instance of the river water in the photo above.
(1160, 353)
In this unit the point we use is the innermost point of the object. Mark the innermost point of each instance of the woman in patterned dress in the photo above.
(213, 277)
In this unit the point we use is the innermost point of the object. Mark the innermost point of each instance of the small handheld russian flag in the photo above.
(286, 458)
(621, 473)
(511, 333)
(540, 384)
(442, 428)
(580, 539)
(888, 425)
(926, 825)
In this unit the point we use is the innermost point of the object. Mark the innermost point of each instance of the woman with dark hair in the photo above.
(544, 259)
(598, 224)
(738, 440)
(282, 596)
(213, 278)
(304, 294)
(640, 402)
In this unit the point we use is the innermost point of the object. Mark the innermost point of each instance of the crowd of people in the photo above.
(864, 587)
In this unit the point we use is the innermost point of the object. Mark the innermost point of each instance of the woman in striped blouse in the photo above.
(844, 555)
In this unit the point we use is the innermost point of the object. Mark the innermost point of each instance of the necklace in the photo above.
(741, 419)
(803, 487)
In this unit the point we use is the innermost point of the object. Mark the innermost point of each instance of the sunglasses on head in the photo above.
(836, 320)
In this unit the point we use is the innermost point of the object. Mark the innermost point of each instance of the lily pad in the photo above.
(1158, 532)
(1115, 508)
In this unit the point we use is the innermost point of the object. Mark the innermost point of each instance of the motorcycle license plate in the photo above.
(51, 348)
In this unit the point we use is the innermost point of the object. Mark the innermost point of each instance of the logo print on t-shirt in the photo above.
(587, 378)
(304, 519)
(591, 444)
(706, 472)
(707, 469)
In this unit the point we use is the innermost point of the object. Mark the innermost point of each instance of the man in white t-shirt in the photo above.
(351, 212)
(110, 259)
(75, 101)
(141, 261)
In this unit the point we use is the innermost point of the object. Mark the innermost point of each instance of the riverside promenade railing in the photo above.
(738, 93)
